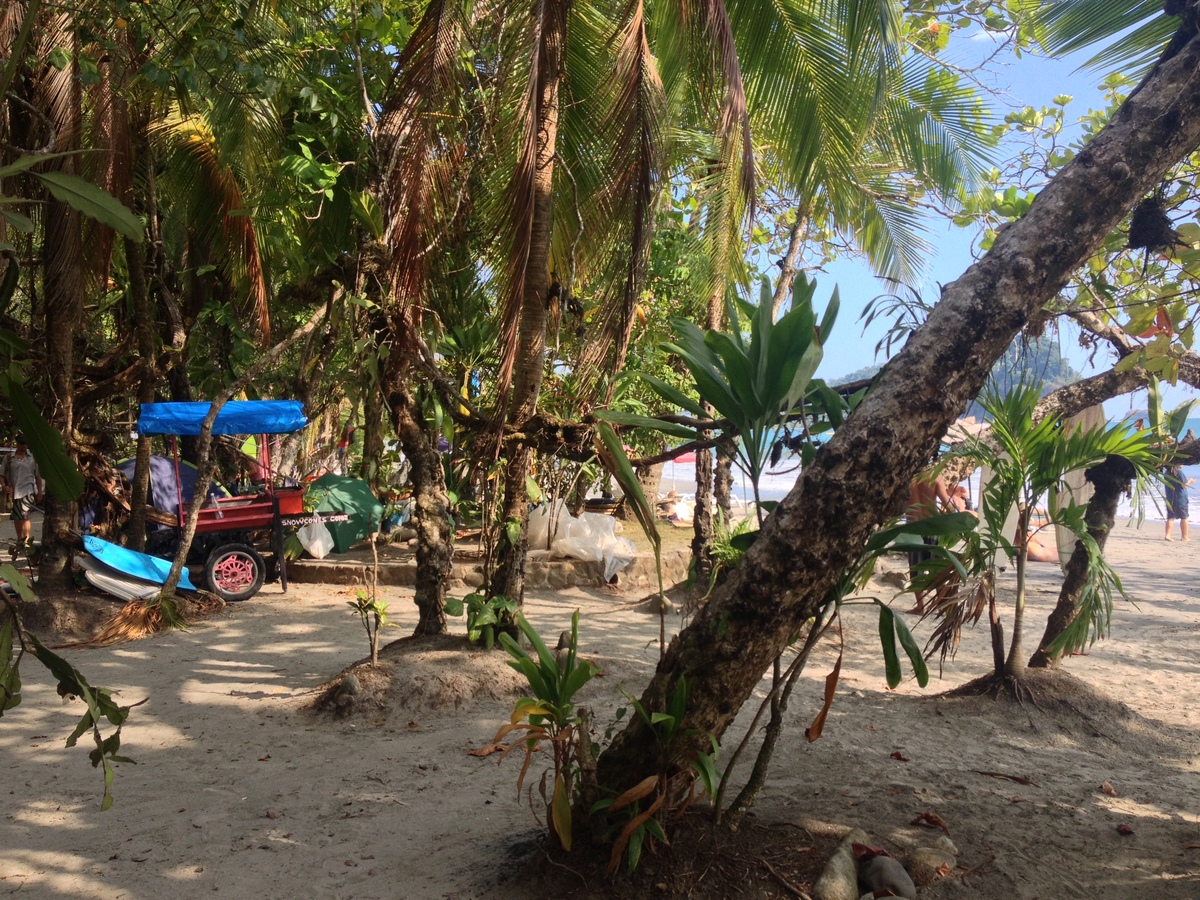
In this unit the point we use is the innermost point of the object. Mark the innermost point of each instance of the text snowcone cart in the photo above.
(233, 568)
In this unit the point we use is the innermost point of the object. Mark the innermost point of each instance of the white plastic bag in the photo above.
(315, 539)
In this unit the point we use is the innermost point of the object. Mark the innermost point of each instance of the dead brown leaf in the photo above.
(486, 750)
(1124, 829)
(1107, 788)
(896, 754)
(931, 820)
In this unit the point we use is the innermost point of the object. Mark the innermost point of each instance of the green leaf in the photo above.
(548, 664)
(673, 395)
(617, 417)
(703, 766)
(19, 221)
(94, 202)
(512, 531)
(887, 637)
(941, 525)
(532, 490)
(453, 607)
(910, 647)
(12, 275)
(744, 541)
(368, 213)
(19, 582)
(58, 470)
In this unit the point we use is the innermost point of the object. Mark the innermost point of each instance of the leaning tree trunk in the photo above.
(509, 578)
(431, 505)
(62, 254)
(1110, 479)
(824, 521)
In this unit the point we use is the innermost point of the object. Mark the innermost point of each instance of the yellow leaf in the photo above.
(524, 708)
(560, 812)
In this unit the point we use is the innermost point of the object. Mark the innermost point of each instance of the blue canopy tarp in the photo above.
(235, 417)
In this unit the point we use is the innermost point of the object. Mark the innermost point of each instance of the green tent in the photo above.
(339, 493)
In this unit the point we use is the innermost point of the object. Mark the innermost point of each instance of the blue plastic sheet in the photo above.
(235, 417)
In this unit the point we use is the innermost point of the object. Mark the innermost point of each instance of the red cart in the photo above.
(224, 543)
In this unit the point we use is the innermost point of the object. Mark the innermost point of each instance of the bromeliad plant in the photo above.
(549, 717)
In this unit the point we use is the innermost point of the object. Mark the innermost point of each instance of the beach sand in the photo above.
(241, 791)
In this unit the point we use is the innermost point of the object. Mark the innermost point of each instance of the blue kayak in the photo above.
(134, 564)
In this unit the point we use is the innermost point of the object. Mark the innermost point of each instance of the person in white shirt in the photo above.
(20, 478)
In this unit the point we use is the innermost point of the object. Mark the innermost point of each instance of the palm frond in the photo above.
(415, 159)
(218, 208)
(734, 124)
(1137, 30)
(57, 95)
(528, 193)
(635, 119)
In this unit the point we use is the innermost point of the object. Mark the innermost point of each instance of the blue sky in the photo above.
(1029, 81)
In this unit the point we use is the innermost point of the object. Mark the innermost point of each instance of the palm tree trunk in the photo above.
(702, 517)
(822, 524)
(704, 510)
(135, 258)
(509, 578)
(1111, 479)
(787, 265)
(62, 253)
(723, 481)
(1014, 666)
(431, 505)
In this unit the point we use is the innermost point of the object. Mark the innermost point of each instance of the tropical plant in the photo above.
(662, 795)
(486, 616)
(71, 683)
(372, 611)
(551, 717)
(755, 383)
(893, 538)
(1028, 459)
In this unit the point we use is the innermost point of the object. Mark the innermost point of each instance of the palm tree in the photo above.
(1028, 460)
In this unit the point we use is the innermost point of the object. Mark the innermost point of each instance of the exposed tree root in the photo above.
(1016, 687)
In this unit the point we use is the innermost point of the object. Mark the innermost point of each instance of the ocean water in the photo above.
(777, 482)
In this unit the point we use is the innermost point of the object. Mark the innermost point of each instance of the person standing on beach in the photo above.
(928, 495)
(20, 478)
(1175, 492)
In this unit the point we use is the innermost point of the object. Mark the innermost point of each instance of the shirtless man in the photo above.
(928, 495)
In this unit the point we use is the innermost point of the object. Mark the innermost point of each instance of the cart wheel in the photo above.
(235, 571)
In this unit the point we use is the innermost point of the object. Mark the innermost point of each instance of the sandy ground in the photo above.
(239, 791)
